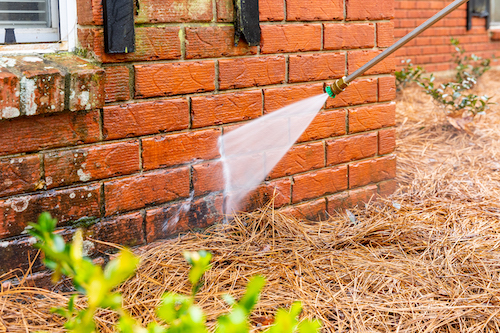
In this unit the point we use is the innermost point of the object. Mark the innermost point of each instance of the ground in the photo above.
(425, 260)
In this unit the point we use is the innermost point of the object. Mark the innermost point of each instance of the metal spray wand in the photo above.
(339, 85)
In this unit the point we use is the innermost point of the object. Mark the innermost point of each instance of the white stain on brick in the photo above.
(31, 240)
(7, 182)
(87, 248)
(84, 99)
(48, 180)
(32, 59)
(19, 204)
(84, 177)
(28, 88)
(10, 112)
(4, 244)
(7, 62)
(72, 195)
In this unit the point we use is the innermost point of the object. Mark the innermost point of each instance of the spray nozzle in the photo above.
(336, 88)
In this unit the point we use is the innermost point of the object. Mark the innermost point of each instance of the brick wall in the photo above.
(433, 49)
(125, 169)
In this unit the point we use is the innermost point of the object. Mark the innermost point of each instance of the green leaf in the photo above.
(251, 297)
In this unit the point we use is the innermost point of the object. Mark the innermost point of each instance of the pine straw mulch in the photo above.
(427, 260)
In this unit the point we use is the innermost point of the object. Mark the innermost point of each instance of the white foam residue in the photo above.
(19, 204)
(28, 88)
(84, 177)
(32, 59)
(10, 112)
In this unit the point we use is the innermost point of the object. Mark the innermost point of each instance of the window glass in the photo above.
(33, 13)
(495, 12)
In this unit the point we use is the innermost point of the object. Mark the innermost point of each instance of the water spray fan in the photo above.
(339, 85)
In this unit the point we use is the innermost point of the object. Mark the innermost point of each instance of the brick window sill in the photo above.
(32, 85)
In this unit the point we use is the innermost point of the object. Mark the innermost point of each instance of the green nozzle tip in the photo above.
(329, 92)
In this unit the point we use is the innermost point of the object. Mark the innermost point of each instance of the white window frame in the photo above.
(494, 24)
(66, 28)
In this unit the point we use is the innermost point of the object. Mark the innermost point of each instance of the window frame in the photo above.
(494, 22)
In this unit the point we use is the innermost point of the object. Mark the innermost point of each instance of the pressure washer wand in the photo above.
(339, 85)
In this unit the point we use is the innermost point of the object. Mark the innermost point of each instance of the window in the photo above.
(495, 13)
(37, 22)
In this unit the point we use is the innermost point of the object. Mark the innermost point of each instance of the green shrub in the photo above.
(469, 69)
(408, 74)
(178, 311)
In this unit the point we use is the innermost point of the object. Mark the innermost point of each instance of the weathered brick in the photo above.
(312, 211)
(19, 174)
(300, 159)
(225, 108)
(151, 188)
(225, 10)
(152, 43)
(315, 184)
(212, 42)
(18, 254)
(372, 171)
(290, 38)
(271, 10)
(250, 72)
(386, 141)
(369, 10)
(386, 188)
(174, 149)
(135, 119)
(9, 94)
(164, 11)
(276, 98)
(315, 67)
(356, 59)
(91, 163)
(65, 205)
(207, 177)
(32, 133)
(172, 219)
(358, 197)
(314, 10)
(326, 124)
(280, 190)
(174, 78)
(358, 92)
(386, 88)
(385, 34)
(372, 117)
(125, 230)
(117, 84)
(351, 148)
(349, 36)
(89, 12)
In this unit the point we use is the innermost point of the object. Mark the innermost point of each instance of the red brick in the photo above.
(315, 67)
(495, 35)
(125, 230)
(135, 119)
(225, 10)
(212, 42)
(315, 184)
(117, 84)
(349, 36)
(64, 205)
(386, 88)
(386, 141)
(356, 59)
(325, 125)
(19, 174)
(164, 11)
(174, 78)
(311, 211)
(147, 189)
(372, 171)
(385, 34)
(225, 108)
(19, 254)
(9, 94)
(358, 197)
(91, 163)
(174, 149)
(271, 10)
(172, 219)
(250, 72)
(314, 10)
(300, 159)
(280, 190)
(369, 10)
(152, 43)
(207, 178)
(32, 134)
(387, 188)
(372, 117)
(290, 38)
(276, 98)
(351, 148)
(89, 12)
(358, 92)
